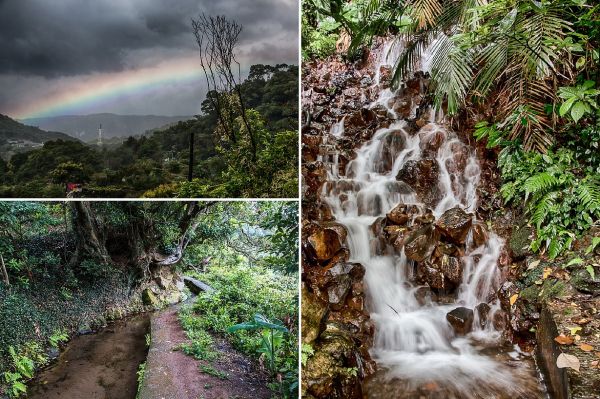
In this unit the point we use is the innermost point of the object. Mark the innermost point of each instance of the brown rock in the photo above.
(451, 267)
(324, 244)
(461, 320)
(454, 224)
(398, 215)
(480, 234)
(433, 276)
(483, 312)
(422, 177)
(419, 244)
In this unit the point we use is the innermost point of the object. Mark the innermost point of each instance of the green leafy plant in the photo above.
(307, 352)
(561, 201)
(271, 335)
(579, 100)
(141, 373)
(211, 370)
(57, 338)
(23, 368)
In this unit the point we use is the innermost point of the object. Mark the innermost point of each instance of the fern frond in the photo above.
(589, 195)
(542, 208)
(539, 183)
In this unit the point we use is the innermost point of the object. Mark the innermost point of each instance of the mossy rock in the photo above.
(583, 281)
(313, 313)
(149, 299)
(520, 241)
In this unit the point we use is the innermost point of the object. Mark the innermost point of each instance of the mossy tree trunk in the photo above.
(136, 243)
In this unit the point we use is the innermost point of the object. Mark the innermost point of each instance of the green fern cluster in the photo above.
(561, 198)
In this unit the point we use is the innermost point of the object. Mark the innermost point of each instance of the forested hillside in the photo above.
(70, 269)
(158, 164)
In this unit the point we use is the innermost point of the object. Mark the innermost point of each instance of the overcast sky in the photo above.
(52, 48)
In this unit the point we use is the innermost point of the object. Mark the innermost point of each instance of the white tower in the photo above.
(100, 135)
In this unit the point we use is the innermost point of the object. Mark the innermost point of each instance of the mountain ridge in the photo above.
(85, 127)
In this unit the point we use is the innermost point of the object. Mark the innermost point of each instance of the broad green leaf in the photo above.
(578, 110)
(590, 270)
(564, 108)
(576, 261)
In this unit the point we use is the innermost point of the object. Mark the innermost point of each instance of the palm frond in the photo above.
(452, 72)
(425, 12)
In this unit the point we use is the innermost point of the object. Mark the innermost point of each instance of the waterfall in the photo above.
(413, 340)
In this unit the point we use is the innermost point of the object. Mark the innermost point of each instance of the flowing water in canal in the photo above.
(102, 365)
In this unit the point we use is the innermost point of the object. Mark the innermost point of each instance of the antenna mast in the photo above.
(100, 135)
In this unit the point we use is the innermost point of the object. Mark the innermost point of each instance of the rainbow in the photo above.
(102, 88)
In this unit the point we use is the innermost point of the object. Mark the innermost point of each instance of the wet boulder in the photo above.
(461, 320)
(480, 234)
(398, 215)
(483, 313)
(454, 224)
(434, 277)
(431, 138)
(451, 267)
(385, 76)
(323, 244)
(420, 243)
(422, 176)
(340, 279)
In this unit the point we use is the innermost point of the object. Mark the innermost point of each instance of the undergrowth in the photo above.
(242, 291)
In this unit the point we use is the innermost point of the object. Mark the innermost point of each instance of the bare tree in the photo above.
(217, 38)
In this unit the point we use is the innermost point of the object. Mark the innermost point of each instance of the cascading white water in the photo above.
(413, 341)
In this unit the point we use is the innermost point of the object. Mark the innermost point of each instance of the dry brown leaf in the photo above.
(565, 360)
(564, 340)
(595, 363)
(581, 321)
(586, 347)
(513, 299)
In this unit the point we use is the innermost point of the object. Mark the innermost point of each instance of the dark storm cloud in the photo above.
(74, 37)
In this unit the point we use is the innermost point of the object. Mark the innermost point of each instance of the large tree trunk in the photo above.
(135, 245)
(91, 242)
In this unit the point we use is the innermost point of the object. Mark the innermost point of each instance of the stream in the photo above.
(102, 365)
(417, 351)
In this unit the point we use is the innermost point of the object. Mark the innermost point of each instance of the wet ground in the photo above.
(97, 366)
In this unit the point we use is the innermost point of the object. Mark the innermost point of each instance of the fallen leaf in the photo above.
(547, 272)
(564, 340)
(582, 321)
(586, 347)
(533, 265)
(595, 363)
(565, 360)
(513, 299)
(574, 330)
